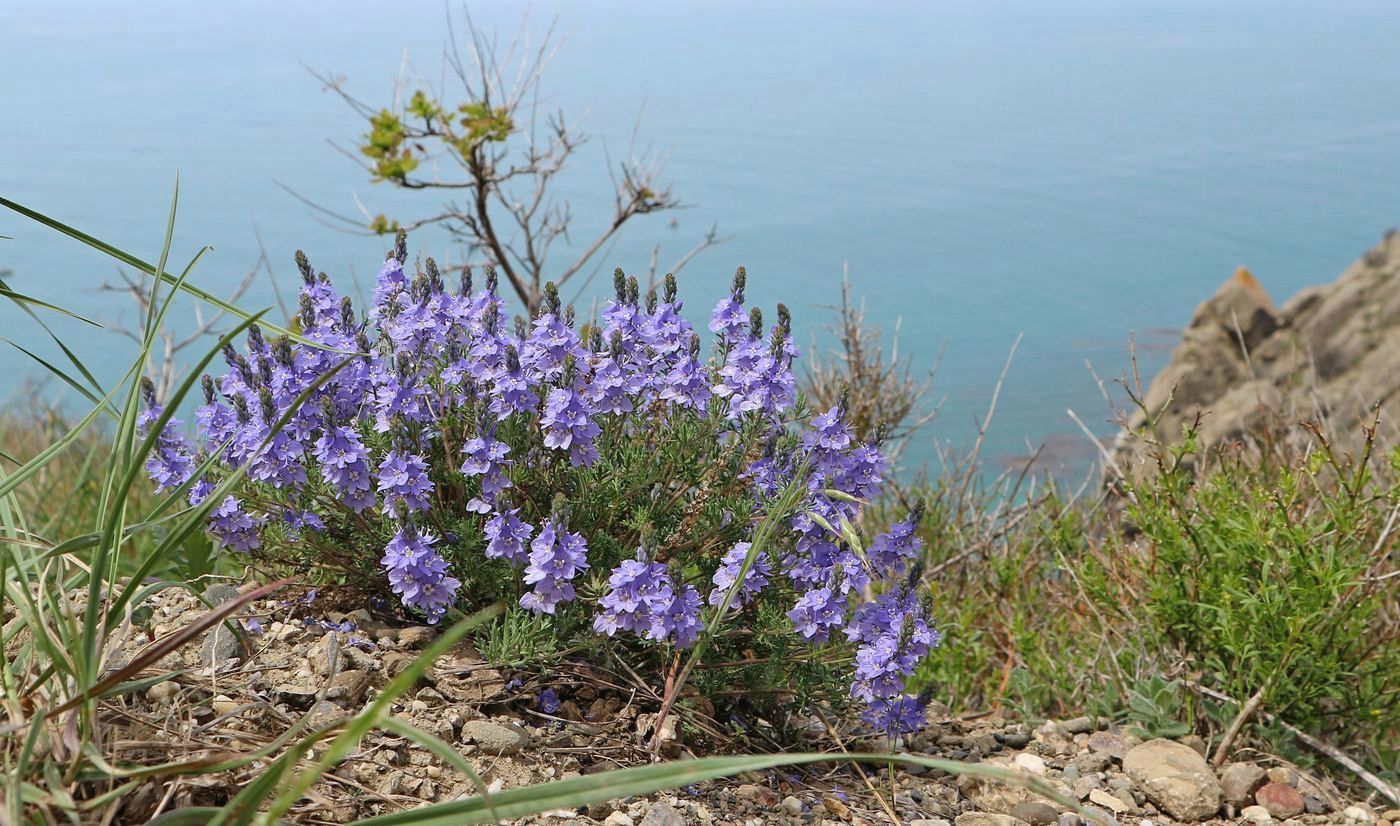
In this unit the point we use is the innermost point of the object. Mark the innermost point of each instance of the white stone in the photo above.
(1030, 762)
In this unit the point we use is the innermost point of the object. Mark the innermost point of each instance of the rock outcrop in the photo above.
(1332, 352)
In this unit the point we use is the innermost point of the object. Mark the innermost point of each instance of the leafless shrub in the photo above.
(496, 154)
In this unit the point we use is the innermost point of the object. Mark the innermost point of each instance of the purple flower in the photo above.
(234, 528)
(551, 342)
(418, 574)
(612, 387)
(686, 383)
(637, 590)
(892, 551)
(403, 478)
(728, 318)
(893, 638)
(548, 701)
(642, 599)
(171, 461)
(896, 716)
(567, 424)
(389, 285)
(816, 613)
(728, 574)
(556, 557)
(679, 618)
(486, 457)
(506, 536)
(345, 467)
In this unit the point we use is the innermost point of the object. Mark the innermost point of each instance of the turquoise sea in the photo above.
(1072, 173)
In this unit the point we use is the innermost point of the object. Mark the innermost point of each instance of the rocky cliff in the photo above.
(1331, 352)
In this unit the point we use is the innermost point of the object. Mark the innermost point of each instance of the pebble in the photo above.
(1359, 814)
(1084, 786)
(325, 713)
(662, 814)
(495, 738)
(1108, 743)
(1030, 762)
(757, 794)
(416, 636)
(792, 805)
(1315, 805)
(220, 644)
(163, 692)
(1108, 801)
(1036, 813)
(1176, 778)
(1016, 741)
(930, 821)
(836, 807)
(1238, 782)
(223, 704)
(618, 819)
(1282, 801)
(1078, 725)
(986, 819)
(1071, 819)
(1092, 762)
(1257, 815)
(1393, 815)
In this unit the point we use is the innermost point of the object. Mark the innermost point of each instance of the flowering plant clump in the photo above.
(605, 475)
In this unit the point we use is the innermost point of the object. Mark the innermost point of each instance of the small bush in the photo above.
(607, 477)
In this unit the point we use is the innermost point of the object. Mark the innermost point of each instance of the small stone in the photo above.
(1283, 775)
(662, 814)
(987, 819)
(1393, 815)
(1085, 785)
(1030, 762)
(1078, 725)
(761, 795)
(1314, 805)
(495, 738)
(1070, 819)
(792, 805)
(1036, 813)
(836, 807)
(325, 713)
(1018, 740)
(296, 696)
(1108, 743)
(618, 819)
(220, 593)
(1358, 814)
(1091, 762)
(930, 821)
(163, 692)
(1176, 778)
(348, 687)
(221, 644)
(416, 636)
(1108, 801)
(1238, 781)
(223, 704)
(1282, 801)
(1257, 815)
